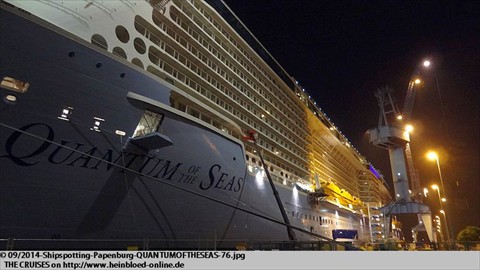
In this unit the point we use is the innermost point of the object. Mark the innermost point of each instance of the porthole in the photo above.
(137, 62)
(122, 34)
(10, 99)
(99, 41)
(120, 52)
(139, 45)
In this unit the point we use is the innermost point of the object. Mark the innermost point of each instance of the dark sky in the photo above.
(342, 51)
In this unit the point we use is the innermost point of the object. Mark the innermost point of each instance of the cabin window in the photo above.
(193, 112)
(149, 123)
(139, 45)
(182, 107)
(137, 62)
(120, 52)
(99, 41)
(122, 34)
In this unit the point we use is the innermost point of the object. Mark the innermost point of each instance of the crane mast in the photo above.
(406, 116)
(392, 137)
(391, 134)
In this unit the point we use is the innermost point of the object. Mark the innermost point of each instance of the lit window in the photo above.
(149, 123)
(10, 99)
(120, 132)
(96, 124)
(14, 85)
(65, 114)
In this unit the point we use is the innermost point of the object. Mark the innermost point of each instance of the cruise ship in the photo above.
(165, 120)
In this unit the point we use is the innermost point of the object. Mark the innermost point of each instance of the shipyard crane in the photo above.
(405, 117)
(393, 136)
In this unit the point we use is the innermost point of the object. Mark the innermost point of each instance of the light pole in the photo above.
(427, 64)
(446, 224)
(433, 156)
(441, 200)
(439, 225)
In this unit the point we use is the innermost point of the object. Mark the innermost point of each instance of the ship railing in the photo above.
(169, 244)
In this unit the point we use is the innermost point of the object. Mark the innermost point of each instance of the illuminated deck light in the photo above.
(259, 178)
(96, 123)
(409, 128)
(120, 132)
(66, 112)
(10, 99)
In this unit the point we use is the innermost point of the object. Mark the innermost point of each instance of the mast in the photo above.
(291, 234)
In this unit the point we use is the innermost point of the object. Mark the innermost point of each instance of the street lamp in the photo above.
(440, 199)
(409, 128)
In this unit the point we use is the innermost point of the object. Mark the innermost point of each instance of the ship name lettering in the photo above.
(20, 159)
(187, 179)
(107, 159)
(224, 181)
(86, 157)
(72, 154)
(167, 170)
(62, 145)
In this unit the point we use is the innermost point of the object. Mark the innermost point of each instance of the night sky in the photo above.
(342, 51)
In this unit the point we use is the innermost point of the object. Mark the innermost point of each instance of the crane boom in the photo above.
(409, 100)
(407, 115)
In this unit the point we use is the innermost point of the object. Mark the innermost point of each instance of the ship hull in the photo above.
(69, 178)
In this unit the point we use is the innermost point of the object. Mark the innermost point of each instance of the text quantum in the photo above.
(79, 155)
